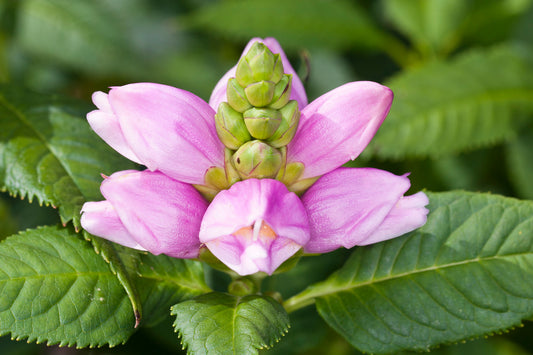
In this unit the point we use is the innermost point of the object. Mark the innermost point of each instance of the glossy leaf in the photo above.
(466, 273)
(55, 289)
(450, 107)
(48, 152)
(220, 323)
(163, 281)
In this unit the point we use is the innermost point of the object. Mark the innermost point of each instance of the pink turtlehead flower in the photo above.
(256, 224)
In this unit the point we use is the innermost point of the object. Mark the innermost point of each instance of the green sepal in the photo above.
(290, 117)
(236, 96)
(256, 159)
(299, 187)
(261, 93)
(292, 172)
(262, 123)
(208, 192)
(282, 92)
(216, 177)
(232, 174)
(230, 126)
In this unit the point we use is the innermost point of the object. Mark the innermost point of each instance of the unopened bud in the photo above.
(262, 123)
(290, 117)
(282, 92)
(261, 93)
(236, 96)
(256, 159)
(231, 129)
(243, 286)
(259, 64)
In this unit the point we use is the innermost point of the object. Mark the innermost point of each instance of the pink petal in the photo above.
(337, 126)
(298, 92)
(161, 214)
(255, 204)
(101, 219)
(358, 206)
(168, 129)
(106, 125)
(407, 215)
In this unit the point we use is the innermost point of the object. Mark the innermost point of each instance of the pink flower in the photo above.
(256, 224)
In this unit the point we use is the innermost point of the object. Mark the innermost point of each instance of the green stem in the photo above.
(299, 301)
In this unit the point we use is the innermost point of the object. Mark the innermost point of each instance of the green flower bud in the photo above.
(260, 94)
(243, 286)
(236, 96)
(259, 64)
(231, 129)
(290, 116)
(256, 159)
(262, 122)
(282, 92)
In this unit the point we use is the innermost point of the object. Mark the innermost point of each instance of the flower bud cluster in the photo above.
(259, 119)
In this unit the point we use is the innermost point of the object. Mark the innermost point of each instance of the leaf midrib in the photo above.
(501, 95)
(308, 297)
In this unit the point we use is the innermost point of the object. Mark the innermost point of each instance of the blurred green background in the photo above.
(426, 50)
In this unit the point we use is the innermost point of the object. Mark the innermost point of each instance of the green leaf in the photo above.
(437, 27)
(47, 152)
(519, 163)
(466, 273)
(450, 107)
(430, 25)
(153, 283)
(219, 323)
(55, 289)
(164, 281)
(294, 23)
(94, 36)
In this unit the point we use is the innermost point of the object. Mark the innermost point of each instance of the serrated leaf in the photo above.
(55, 289)
(49, 153)
(468, 272)
(153, 283)
(450, 107)
(164, 281)
(294, 23)
(519, 163)
(219, 323)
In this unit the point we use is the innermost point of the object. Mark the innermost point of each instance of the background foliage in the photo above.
(462, 119)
